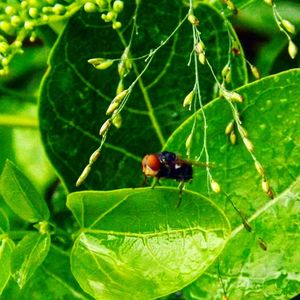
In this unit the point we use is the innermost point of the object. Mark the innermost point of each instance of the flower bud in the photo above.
(33, 12)
(58, 9)
(117, 25)
(10, 10)
(94, 156)
(229, 127)
(120, 87)
(226, 70)
(215, 186)
(110, 16)
(118, 6)
(15, 21)
(6, 27)
(193, 20)
(265, 185)
(104, 127)
(188, 98)
(112, 107)
(199, 47)
(120, 96)
(243, 131)
(288, 26)
(188, 141)
(90, 7)
(83, 175)
(293, 50)
(101, 3)
(232, 96)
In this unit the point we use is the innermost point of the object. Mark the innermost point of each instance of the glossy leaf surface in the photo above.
(21, 196)
(28, 256)
(137, 244)
(75, 96)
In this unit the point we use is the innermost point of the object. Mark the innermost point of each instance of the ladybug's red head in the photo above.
(151, 165)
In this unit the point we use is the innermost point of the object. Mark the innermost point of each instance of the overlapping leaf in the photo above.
(75, 96)
(136, 244)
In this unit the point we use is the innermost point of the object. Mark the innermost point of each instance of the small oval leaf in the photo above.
(21, 196)
(28, 256)
(143, 240)
(6, 248)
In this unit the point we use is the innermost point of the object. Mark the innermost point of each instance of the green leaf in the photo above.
(75, 96)
(29, 254)
(247, 270)
(270, 115)
(6, 248)
(136, 244)
(21, 196)
(4, 222)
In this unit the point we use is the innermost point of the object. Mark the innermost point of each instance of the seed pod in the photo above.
(117, 120)
(229, 127)
(248, 144)
(199, 47)
(94, 157)
(254, 72)
(215, 186)
(293, 50)
(232, 96)
(288, 26)
(101, 63)
(202, 58)
(232, 137)
(193, 20)
(262, 244)
(188, 98)
(104, 127)
(188, 141)
(231, 6)
(259, 168)
(101, 3)
(112, 107)
(83, 175)
(226, 70)
(120, 96)
(243, 131)
(265, 185)
(269, 2)
(120, 87)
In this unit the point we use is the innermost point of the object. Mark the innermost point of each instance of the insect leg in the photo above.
(180, 187)
(156, 182)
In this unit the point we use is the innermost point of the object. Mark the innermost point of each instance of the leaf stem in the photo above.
(18, 121)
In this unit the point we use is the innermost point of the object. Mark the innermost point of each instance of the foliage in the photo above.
(149, 76)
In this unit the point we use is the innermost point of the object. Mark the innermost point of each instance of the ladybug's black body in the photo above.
(171, 166)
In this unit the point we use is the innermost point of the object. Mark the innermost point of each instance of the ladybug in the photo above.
(167, 165)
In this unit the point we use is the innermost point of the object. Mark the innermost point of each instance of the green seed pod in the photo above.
(188, 141)
(259, 168)
(120, 96)
(243, 131)
(226, 70)
(104, 127)
(254, 72)
(269, 2)
(248, 144)
(193, 20)
(120, 87)
(117, 25)
(118, 6)
(265, 186)
(202, 58)
(15, 21)
(199, 47)
(90, 7)
(83, 175)
(10, 10)
(229, 127)
(288, 26)
(112, 107)
(232, 96)
(100, 63)
(94, 157)
(117, 120)
(292, 49)
(6, 27)
(188, 98)
(232, 137)
(215, 186)
(33, 12)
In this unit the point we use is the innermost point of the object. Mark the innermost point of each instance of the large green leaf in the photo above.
(6, 248)
(246, 270)
(21, 196)
(28, 256)
(4, 222)
(271, 116)
(136, 244)
(75, 96)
